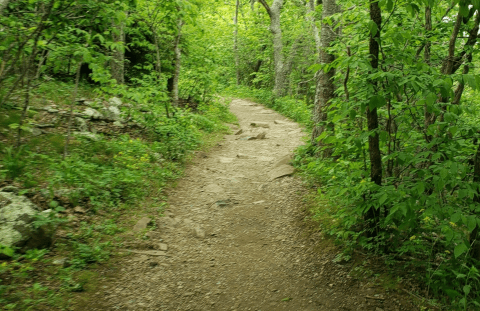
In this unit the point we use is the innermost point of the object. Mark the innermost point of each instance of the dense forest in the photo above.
(100, 98)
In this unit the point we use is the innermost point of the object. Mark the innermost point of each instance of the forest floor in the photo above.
(234, 237)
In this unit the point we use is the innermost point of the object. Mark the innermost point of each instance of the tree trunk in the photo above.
(372, 117)
(325, 88)
(118, 60)
(235, 42)
(474, 236)
(311, 20)
(176, 73)
(158, 61)
(274, 11)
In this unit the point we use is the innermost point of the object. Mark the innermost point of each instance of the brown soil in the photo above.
(237, 240)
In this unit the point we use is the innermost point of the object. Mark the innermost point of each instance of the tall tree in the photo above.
(177, 61)
(325, 87)
(274, 12)
(372, 115)
(118, 59)
(235, 42)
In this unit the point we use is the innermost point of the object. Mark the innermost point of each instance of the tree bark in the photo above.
(118, 60)
(176, 73)
(235, 42)
(158, 61)
(274, 11)
(372, 215)
(325, 88)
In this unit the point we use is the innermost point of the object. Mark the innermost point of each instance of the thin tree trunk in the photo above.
(70, 116)
(235, 42)
(274, 11)
(158, 62)
(474, 236)
(325, 88)
(429, 116)
(118, 60)
(372, 215)
(176, 73)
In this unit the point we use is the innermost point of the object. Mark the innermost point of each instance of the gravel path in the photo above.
(233, 238)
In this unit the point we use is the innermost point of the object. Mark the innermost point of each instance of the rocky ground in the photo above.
(233, 237)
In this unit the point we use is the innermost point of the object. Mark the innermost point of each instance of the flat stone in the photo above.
(150, 253)
(259, 202)
(281, 171)
(142, 224)
(259, 124)
(92, 113)
(163, 246)
(285, 160)
(213, 188)
(115, 101)
(225, 160)
(261, 135)
(240, 131)
(79, 210)
(279, 122)
(244, 156)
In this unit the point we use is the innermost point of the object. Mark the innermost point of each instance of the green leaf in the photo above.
(471, 223)
(466, 289)
(455, 217)
(460, 249)
(420, 187)
(383, 198)
(464, 11)
(389, 5)
(377, 101)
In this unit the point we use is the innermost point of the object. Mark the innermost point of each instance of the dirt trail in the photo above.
(234, 237)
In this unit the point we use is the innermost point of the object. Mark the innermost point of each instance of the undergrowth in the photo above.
(110, 178)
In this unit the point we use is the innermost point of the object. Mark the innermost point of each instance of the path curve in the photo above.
(232, 239)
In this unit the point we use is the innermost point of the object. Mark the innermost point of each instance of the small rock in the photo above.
(225, 160)
(61, 262)
(259, 202)
(378, 309)
(10, 189)
(259, 124)
(279, 122)
(282, 170)
(213, 188)
(142, 224)
(199, 232)
(81, 124)
(240, 131)
(331, 285)
(92, 114)
(115, 101)
(261, 135)
(36, 132)
(244, 156)
(118, 124)
(163, 246)
(79, 210)
(88, 135)
(284, 160)
(153, 264)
